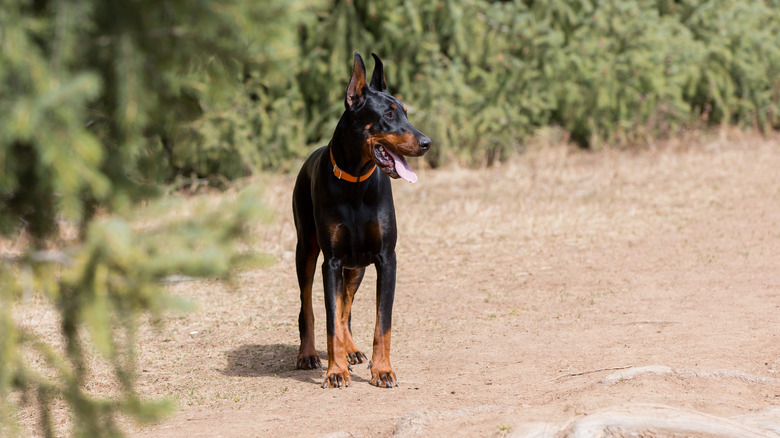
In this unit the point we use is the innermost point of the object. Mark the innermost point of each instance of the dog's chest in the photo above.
(361, 234)
(359, 239)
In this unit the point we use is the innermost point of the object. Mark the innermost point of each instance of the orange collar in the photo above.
(340, 174)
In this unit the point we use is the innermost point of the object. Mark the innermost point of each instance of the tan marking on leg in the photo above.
(381, 372)
(351, 282)
(338, 368)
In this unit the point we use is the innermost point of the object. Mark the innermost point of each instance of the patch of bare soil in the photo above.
(610, 293)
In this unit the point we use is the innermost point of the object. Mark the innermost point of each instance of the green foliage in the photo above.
(259, 126)
(480, 76)
(100, 288)
(92, 95)
(739, 68)
(624, 69)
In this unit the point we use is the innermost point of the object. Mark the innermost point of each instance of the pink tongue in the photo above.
(402, 168)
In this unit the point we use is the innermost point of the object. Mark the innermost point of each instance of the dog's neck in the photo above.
(349, 149)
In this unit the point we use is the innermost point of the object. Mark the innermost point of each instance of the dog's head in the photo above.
(389, 136)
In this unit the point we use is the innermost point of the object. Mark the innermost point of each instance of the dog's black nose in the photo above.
(425, 143)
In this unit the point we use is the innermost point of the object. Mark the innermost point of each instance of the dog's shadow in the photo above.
(272, 360)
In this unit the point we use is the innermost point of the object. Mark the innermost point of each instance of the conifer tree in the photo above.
(92, 94)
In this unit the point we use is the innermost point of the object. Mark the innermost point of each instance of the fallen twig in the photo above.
(647, 322)
(580, 373)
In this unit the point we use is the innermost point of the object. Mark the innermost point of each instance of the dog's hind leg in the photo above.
(306, 254)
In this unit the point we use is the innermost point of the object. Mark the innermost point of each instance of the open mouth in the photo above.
(394, 165)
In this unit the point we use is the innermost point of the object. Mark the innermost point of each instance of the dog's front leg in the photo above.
(381, 372)
(333, 281)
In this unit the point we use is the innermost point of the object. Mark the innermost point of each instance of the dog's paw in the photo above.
(336, 378)
(383, 378)
(308, 362)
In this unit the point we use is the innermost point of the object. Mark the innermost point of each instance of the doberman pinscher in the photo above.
(344, 208)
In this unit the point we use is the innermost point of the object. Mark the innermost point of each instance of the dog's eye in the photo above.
(389, 115)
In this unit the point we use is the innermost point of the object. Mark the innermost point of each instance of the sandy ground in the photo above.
(531, 297)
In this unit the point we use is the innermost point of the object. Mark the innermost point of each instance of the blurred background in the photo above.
(481, 76)
(223, 90)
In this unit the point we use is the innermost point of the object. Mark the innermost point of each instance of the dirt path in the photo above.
(525, 294)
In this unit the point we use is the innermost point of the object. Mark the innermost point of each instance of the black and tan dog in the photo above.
(344, 208)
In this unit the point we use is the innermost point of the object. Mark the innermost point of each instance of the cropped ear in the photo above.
(378, 78)
(357, 84)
